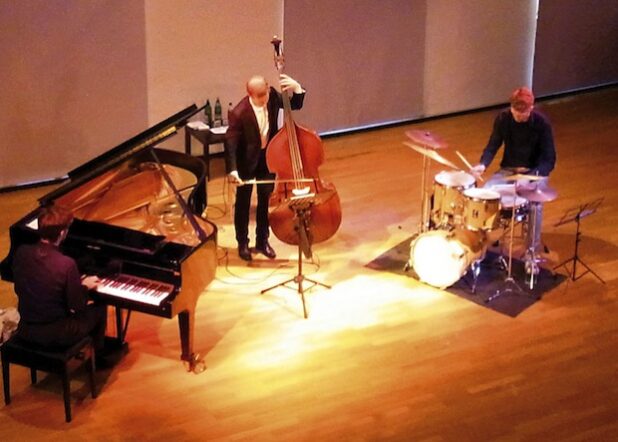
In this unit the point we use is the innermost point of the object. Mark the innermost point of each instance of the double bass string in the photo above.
(297, 164)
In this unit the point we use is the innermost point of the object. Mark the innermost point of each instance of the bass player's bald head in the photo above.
(258, 90)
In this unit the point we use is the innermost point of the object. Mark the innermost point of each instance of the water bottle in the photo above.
(229, 111)
(218, 117)
(208, 113)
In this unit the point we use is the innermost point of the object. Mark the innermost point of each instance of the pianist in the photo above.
(52, 300)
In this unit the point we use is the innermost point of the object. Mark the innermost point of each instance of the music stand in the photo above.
(576, 214)
(302, 214)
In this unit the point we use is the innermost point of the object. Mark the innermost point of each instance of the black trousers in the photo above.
(243, 205)
(69, 330)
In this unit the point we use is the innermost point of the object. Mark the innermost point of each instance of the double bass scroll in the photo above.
(294, 155)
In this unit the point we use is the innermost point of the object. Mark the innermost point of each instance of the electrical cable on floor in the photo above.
(223, 252)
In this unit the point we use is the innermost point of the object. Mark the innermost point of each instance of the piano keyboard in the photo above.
(135, 288)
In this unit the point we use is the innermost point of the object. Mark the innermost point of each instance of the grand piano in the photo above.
(138, 226)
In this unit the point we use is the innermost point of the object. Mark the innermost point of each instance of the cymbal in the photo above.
(519, 176)
(538, 195)
(425, 138)
(432, 154)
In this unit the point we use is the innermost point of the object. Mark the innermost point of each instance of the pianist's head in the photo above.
(54, 222)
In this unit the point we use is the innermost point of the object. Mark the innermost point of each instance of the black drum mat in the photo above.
(491, 279)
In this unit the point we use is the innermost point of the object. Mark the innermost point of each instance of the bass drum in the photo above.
(440, 258)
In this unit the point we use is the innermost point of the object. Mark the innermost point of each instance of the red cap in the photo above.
(522, 99)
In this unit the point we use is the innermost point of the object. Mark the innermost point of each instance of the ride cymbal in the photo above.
(537, 194)
(426, 139)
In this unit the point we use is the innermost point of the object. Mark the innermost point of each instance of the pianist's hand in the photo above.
(234, 177)
(91, 282)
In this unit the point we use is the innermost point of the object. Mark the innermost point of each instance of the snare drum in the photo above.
(510, 203)
(447, 197)
(481, 209)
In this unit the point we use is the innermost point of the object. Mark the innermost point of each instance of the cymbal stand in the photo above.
(531, 259)
(509, 285)
(302, 212)
(474, 271)
(424, 223)
(582, 212)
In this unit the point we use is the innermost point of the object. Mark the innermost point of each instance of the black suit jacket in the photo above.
(47, 284)
(242, 139)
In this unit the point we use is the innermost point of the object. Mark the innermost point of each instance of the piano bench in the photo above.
(58, 361)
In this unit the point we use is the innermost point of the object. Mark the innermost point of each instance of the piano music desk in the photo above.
(206, 137)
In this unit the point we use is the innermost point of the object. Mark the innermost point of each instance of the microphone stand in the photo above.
(302, 215)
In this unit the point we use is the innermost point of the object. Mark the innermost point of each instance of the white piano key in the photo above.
(136, 289)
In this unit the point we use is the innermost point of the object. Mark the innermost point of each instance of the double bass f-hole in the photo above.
(294, 155)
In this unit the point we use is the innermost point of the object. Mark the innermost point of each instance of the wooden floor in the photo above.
(382, 356)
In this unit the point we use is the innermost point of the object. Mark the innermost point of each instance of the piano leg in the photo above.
(121, 329)
(116, 346)
(186, 325)
(120, 332)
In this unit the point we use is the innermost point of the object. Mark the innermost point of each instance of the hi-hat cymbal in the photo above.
(425, 138)
(538, 194)
(432, 154)
(519, 176)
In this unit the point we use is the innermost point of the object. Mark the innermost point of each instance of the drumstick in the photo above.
(467, 163)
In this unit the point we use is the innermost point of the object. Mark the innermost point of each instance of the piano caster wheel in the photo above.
(195, 364)
(198, 367)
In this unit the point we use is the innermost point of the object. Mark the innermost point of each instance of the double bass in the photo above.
(294, 154)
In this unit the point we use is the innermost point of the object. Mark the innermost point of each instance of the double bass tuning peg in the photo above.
(276, 42)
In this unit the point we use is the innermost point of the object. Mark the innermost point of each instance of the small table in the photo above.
(206, 136)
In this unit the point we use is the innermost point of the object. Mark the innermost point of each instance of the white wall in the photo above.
(80, 77)
(577, 45)
(361, 61)
(369, 63)
(71, 83)
(204, 49)
(476, 52)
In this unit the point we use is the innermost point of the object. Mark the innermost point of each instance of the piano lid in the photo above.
(129, 148)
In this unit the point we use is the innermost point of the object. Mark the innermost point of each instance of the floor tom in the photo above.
(481, 209)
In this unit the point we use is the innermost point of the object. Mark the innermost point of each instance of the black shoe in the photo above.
(265, 249)
(103, 362)
(244, 252)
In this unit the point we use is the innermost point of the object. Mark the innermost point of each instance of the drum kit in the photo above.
(459, 220)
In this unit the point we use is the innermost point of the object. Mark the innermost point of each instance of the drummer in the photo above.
(529, 149)
(527, 137)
